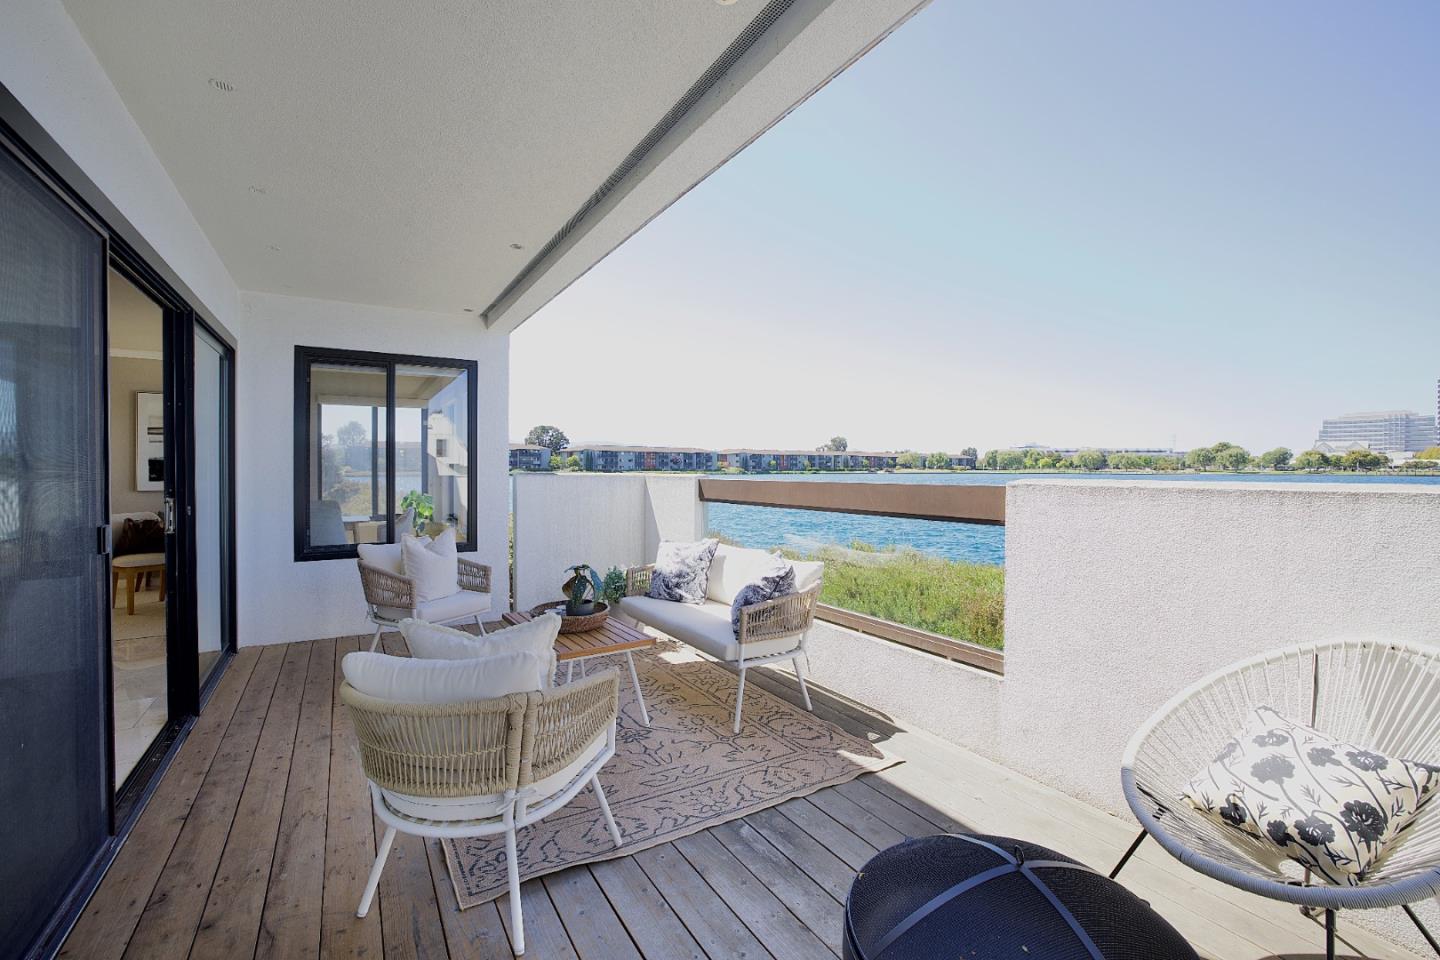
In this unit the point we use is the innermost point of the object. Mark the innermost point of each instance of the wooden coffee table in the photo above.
(132, 567)
(610, 638)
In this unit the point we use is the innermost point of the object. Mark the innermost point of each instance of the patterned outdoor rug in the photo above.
(683, 773)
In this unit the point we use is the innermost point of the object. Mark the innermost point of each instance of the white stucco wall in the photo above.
(47, 65)
(1118, 594)
(281, 600)
(604, 520)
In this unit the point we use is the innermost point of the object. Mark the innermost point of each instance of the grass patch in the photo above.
(965, 601)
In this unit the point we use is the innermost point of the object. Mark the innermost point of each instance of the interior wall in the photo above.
(129, 376)
(281, 600)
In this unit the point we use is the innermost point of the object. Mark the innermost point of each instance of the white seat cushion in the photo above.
(457, 606)
(433, 568)
(429, 641)
(408, 680)
(704, 626)
(733, 567)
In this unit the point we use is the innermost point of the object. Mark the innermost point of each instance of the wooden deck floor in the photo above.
(258, 839)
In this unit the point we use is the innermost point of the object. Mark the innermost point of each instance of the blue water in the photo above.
(771, 527)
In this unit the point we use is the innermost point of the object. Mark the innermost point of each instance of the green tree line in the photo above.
(1223, 457)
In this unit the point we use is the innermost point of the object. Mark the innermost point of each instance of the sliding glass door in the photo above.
(210, 499)
(116, 540)
(55, 767)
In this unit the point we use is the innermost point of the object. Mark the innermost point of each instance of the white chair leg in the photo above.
(639, 697)
(374, 881)
(375, 641)
(605, 809)
(739, 697)
(480, 623)
(512, 869)
(804, 691)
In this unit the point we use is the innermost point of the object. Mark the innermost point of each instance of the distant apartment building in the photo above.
(525, 457)
(1386, 431)
(615, 458)
(760, 461)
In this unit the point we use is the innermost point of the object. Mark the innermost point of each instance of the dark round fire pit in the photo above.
(965, 896)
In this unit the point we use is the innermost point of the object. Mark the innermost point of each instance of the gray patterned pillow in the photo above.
(682, 571)
(778, 580)
(1324, 803)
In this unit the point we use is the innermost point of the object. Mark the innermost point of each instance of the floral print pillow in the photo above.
(682, 571)
(1328, 805)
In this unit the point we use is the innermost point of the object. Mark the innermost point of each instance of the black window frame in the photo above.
(306, 445)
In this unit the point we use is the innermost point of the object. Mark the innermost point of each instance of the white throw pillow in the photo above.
(1324, 803)
(429, 641)
(433, 566)
(384, 556)
(408, 680)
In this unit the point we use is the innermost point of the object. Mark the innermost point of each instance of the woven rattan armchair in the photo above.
(1382, 695)
(484, 768)
(770, 631)
(390, 598)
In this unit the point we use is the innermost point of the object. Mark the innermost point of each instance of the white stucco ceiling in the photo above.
(392, 153)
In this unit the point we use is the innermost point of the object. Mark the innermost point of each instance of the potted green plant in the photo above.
(424, 506)
(582, 589)
(613, 586)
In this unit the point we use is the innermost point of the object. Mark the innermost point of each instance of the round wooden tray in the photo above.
(570, 624)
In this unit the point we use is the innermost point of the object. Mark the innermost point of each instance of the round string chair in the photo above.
(1381, 695)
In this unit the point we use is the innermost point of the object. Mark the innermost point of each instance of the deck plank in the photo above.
(804, 849)
(104, 929)
(652, 923)
(172, 913)
(349, 836)
(290, 921)
(473, 934)
(231, 920)
(811, 903)
(545, 934)
(765, 914)
(720, 933)
(595, 931)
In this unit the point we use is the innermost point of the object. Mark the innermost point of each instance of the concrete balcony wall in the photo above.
(604, 520)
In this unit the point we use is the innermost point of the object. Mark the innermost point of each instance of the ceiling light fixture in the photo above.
(469, 309)
(516, 246)
(725, 3)
(222, 85)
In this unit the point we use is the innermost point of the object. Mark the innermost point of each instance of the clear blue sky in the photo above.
(1077, 224)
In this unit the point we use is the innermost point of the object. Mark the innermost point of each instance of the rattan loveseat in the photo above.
(770, 631)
